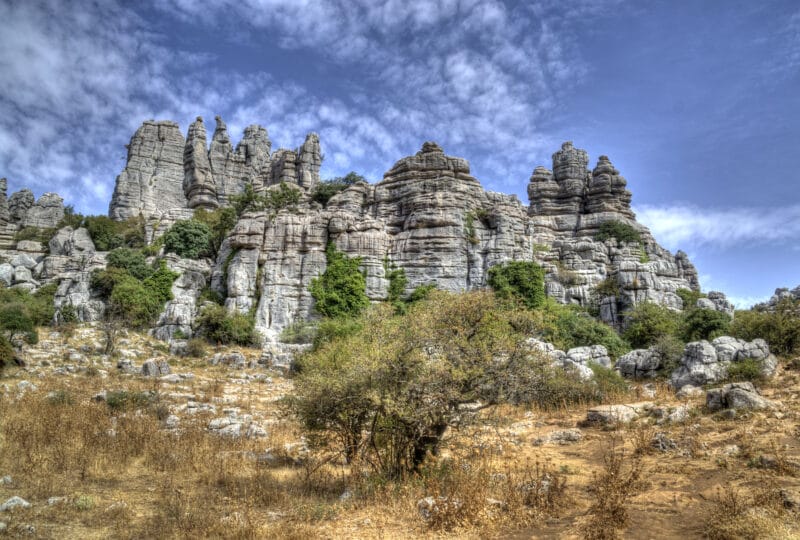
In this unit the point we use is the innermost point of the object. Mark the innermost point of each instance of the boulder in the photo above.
(155, 367)
(639, 364)
(736, 396)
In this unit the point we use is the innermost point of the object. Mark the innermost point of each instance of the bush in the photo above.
(648, 322)
(745, 370)
(386, 390)
(700, 324)
(196, 348)
(274, 199)
(298, 332)
(71, 218)
(622, 232)
(523, 280)
(781, 328)
(133, 303)
(670, 350)
(34, 233)
(689, 298)
(219, 222)
(327, 189)
(218, 326)
(7, 353)
(570, 326)
(133, 261)
(103, 281)
(341, 291)
(338, 328)
(108, 234)
(189, 239)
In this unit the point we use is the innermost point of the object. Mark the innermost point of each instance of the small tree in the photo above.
(523, 280)
(619, 230)
(130, 260)
(341, 291)
(327, 189)
(704, 324)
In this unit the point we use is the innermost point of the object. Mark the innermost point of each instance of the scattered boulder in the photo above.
(616, 414)
(14, 502)
(233, 359)
(564, 436)
(736, 396)
(155, 368)
(639, 364)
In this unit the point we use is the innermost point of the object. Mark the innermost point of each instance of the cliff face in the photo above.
(428, 216)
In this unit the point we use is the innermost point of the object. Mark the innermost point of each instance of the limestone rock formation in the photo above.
(704, 363)
(152, 181)
(5, 215)
(45, 213)
(781, 294)
(198, 181)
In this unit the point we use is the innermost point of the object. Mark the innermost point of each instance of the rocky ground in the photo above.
(147, 444)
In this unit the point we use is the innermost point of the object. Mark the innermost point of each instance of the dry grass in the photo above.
(122, 474)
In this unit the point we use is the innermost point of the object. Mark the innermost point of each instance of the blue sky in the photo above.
(696, 103)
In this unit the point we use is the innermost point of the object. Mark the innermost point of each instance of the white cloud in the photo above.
(686, 226)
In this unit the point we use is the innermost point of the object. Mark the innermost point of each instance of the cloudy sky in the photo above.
(697, 103)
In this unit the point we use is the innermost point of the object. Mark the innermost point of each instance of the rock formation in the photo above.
(198, 180)
(152, 181)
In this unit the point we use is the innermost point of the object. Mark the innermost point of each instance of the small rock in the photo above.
(56, 500)
(3, 527)
(565, 436)
(6, 480)
(611, 414)
(663, 443)
(689, 391)
(736, 396)
(155, 368)
(171, 422)
(100, 396)
(23, 386)
(428, 507)
(14, 502)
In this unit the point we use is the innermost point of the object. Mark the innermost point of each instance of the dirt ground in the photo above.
(95, 468)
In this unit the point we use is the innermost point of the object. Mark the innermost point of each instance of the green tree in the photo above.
(328, 188)
(341, 291)
(523, 280)
(131, 260)
(780, 327)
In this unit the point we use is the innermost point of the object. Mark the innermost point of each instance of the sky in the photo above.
(696, 103)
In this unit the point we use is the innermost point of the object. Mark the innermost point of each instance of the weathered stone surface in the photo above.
(736, 396)
(180, 312)
(781, 294)
(155, 368)
(152, 181)
(5, 215)
(616, 414)
(639, 364)
(705, 363)
(68, 241)
(198, 181)
(19, 203)
(44, 213)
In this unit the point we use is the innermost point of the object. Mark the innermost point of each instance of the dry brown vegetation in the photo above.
(117, 471)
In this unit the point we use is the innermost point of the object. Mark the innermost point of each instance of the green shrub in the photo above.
(134, 303)
(121, 400)
(108, 234)
(133, 261)
(745, 370)
(420, 293)
(210, 295)
(780, 328)
(189, 239)
(622, 232)
(299, 332)
(607, 287)
(609, 382)
(337, 328)
(328, 188)
(523, 280)
(7, 353)
(274, 199)
(648, 322)
(196, 348)
(700, 324)
(571, 326)
(71, 218)
(341, 291)
(34, 233)
(159, 283)
(220, 222)
(103, 281)
(689, 298)
(670, 350)
(218, 326)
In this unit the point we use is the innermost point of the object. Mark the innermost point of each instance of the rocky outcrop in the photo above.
(152, 181)
(707, 363)
(5, 215)
(781, 295)
(716, 301)
(198, 181)
(567, 207)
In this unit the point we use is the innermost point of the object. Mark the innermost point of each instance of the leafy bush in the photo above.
(103, 281)
(700, 324)
(670, 350)
(188, 238)
(622, 232)
(341, 291)
(386, 390)
(34, 233)
(71, 218)
(607, 287)
(608, 381)
(648, 322)
(745, 370)
(781, 328)
(689, 297)
(523, 280)
(22, 312)
(108, 234)
(328, 188)
(337, 328)
(7, 353)
(570, 326)
(196, 348)
(218, 326)
(299, 332)
(274, 199)
(219, 222)
(133, 261)
(133, 303)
